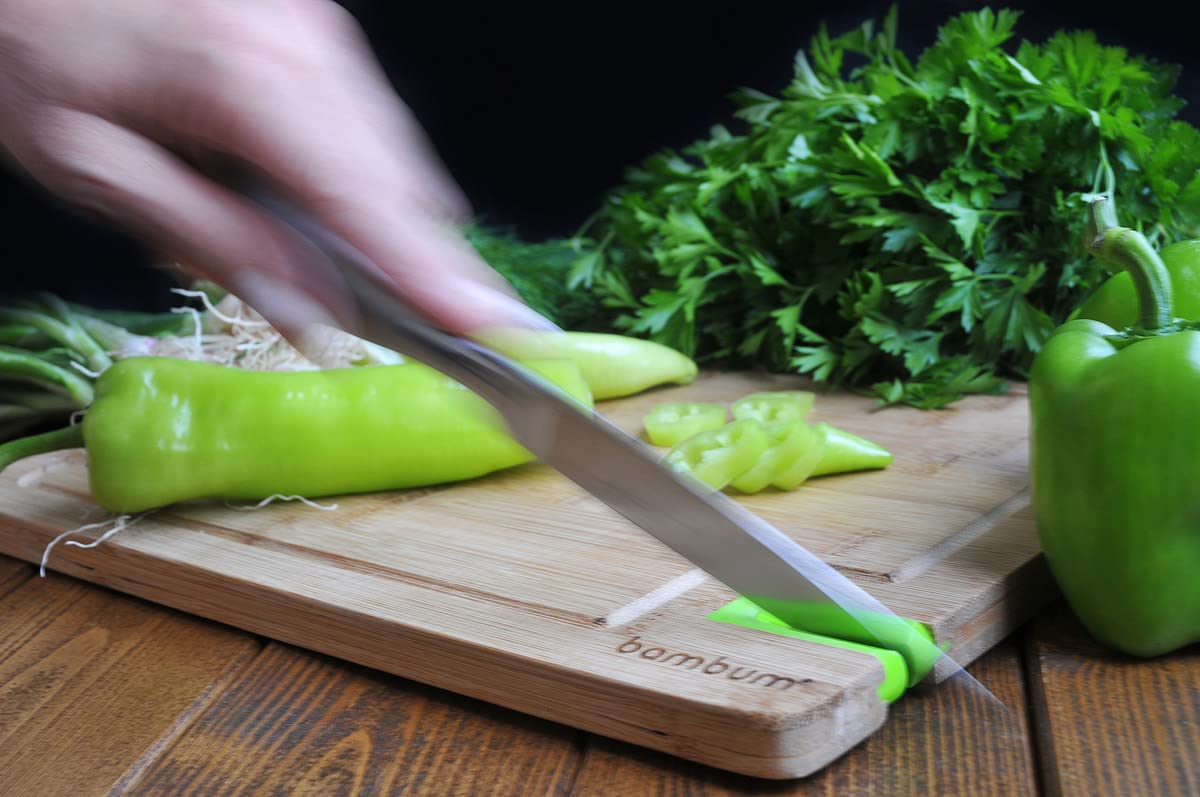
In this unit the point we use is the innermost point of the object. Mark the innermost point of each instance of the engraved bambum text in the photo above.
(709, 665)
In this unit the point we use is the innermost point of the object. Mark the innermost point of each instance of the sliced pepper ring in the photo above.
(676, 421)
(787, 443)
(718, 456)
(776, 405)
(798, 471)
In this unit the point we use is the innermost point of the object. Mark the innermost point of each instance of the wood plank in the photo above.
(508, 588)
(943, 741)
(91, 680)
(13, 573)
(298, 723)
(1109, 723)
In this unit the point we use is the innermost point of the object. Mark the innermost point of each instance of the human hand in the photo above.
(107, 104)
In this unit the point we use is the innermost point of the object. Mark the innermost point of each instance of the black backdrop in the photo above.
(537, 112)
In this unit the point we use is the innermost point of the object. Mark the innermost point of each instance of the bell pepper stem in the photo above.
(1124, 249)
(13, 450)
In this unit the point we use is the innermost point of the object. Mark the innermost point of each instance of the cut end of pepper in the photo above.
(898, 675)
(845, 452)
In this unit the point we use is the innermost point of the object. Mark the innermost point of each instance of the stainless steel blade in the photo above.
(711, 530)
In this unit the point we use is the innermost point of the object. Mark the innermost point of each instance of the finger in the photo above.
(137, 184)
(324, 35)
(314, 137)
(358, 189)
(245, 71)
(384, 111)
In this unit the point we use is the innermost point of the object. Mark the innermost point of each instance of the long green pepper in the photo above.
(162, 430)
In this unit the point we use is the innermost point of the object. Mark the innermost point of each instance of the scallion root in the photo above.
(232, 333)
(280, 497)
(119, 524)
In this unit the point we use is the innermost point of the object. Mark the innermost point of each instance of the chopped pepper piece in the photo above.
(777, 405)
(718, 456)
(845, 452)
(796, 472)
(787, 443)
(676, 421)
(791, 451)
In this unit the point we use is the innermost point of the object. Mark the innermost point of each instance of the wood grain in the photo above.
(13, 573)
(944, 741)
(497, 588)
(1112, 724)
(90, 681)
(296, 723)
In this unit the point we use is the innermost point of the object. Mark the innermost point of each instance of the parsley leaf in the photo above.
(907, 228)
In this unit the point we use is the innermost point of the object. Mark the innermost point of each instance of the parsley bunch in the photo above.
(906, 228)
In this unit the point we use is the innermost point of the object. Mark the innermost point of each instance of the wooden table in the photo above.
(101, 693)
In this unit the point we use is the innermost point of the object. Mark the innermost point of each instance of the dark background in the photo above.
(536, 113)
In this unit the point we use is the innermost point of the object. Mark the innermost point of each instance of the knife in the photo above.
(731, 544)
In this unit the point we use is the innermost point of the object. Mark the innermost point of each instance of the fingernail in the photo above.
(498, 310)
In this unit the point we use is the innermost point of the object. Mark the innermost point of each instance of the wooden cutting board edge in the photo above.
(769, 743)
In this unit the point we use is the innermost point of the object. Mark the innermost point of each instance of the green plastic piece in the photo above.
(748, 614)
(909, 638)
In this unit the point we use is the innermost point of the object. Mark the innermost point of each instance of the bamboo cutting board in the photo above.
(523, 590)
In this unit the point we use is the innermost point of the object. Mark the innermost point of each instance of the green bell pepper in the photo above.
(1114, 435)
(162, 430)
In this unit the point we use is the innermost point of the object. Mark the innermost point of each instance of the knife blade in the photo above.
(706, 527)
